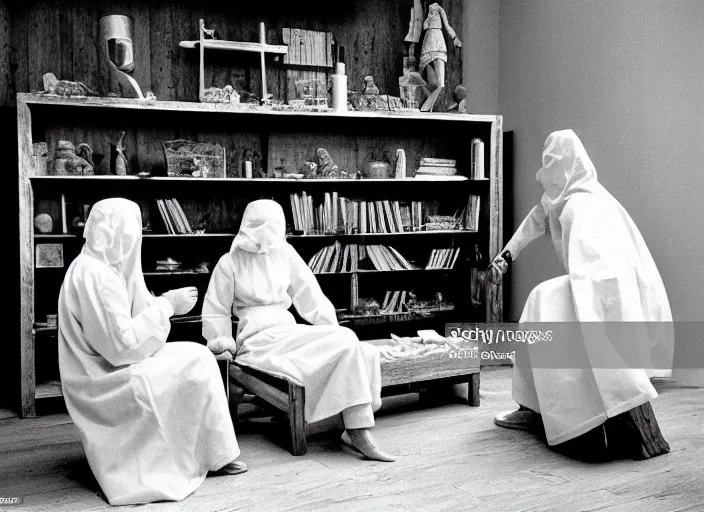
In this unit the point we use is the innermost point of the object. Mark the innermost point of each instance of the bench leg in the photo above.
(235, 397)
(296, 418)
(473, 390)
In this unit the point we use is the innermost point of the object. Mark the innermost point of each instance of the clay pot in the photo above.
(377, 170)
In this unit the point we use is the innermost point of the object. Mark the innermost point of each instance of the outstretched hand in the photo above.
(182, 299)
(497, 269)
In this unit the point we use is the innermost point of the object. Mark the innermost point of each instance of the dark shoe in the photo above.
(235, 467)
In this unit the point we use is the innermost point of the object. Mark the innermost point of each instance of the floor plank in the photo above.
(450, 457)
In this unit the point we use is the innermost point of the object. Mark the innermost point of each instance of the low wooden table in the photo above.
(409, 375)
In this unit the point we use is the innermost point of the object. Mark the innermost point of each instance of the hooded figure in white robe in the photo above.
(611, 277)
(257, 282)
(153, 417)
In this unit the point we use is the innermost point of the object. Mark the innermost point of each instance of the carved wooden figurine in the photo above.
(120, 160)
(433, 55)
(69, 161)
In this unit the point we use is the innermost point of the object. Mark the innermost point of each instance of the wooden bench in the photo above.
(421, 375)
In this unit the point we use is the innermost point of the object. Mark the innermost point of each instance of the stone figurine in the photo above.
(326, 167)
(369, 88)
(72, 161)
(65, 88)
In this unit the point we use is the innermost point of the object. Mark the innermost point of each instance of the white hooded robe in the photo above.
(257, 282)
(611, 277)
(153, 417)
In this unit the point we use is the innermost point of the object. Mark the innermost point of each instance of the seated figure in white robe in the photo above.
(611, 277)
(153, 417)
(257, 282)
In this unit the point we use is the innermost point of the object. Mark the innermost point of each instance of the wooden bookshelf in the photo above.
(216, 204)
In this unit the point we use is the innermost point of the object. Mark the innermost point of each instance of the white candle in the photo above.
(248, 170)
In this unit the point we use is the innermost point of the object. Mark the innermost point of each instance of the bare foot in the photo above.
(361, 440)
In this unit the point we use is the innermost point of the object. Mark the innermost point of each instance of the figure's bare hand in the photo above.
(182, 299)
(457, 42)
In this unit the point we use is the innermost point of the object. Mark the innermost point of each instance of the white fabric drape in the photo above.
(153, 417)
(258, 281)
(611, 277)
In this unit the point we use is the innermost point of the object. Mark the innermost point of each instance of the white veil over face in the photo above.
(564, 150)
(263, 227)
(113, 235)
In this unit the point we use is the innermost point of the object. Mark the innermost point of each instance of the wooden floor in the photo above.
(450, 457)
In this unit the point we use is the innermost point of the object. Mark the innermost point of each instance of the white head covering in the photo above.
(263, 227)
(113, 235)
(580, 174)
(565, 146)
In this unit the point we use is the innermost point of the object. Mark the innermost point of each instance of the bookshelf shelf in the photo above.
(122, 105)
(216, 204)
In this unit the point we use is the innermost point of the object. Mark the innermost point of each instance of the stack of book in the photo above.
(340, 215)
(173, 217)
(437, 167)
(394, 302)
(443, 258)
(338, 258)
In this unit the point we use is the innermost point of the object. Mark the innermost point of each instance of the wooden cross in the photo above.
(261, 47)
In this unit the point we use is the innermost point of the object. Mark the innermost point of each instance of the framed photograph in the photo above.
(49, 256)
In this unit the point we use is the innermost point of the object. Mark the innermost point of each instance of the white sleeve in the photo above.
(109, 326)
(533, 226)
(309, 300)
(217, 306)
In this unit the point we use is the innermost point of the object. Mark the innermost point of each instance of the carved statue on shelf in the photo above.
(72, 161)
(65, 88)
(117, 56)
(433, 56)
(326, 167)
(120, 163)
(415, 29)
(369, 88)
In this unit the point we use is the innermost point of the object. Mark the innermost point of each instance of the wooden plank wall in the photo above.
(61, 36)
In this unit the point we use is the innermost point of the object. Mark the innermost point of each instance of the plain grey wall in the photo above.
(480, 55)
(628, 77)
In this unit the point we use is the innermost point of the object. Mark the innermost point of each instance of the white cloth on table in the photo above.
(611, 277)
(257, 282)
(153, 417)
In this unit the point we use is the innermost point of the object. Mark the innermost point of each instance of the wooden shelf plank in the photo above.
(161, 236)
(162, 273)
(36, 99)
(446, 232)
(165, 179)
(48, 389)
(384, 271)
(217, 44)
